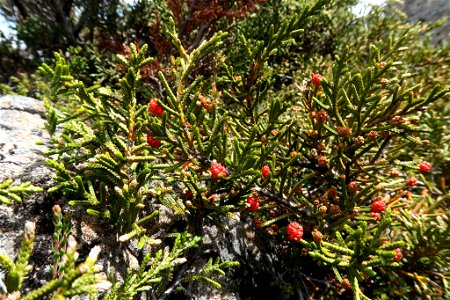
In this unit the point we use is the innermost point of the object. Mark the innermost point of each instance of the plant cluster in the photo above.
(10, 192)
(68, 278)
(333, 146)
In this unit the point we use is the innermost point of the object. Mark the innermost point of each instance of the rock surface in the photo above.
(21, 123)
(22, 159)
(430, 10)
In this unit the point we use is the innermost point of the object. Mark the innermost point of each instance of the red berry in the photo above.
(323, 209)
(334, 209)
(257, 223)
(376, 216)
(217, 170)
(425, 166)
(378, 206)
(294, 231)
(322, 161)
(154, 108)
(212, 199)
(252, 203)
(344, 131)
(265, 170)
(397, 120)
(411, 181)
(346, 284)
(316, 78)
(398, 256)
(321, 116)
(317, 236)
(152, 142)
(353, 187)
(372, 135)
(332, 193)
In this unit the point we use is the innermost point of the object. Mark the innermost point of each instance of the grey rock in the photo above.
(430, 11)
(21, 123)
(21, 159)
(235, 239)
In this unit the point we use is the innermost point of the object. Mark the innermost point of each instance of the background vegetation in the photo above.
(327, 131)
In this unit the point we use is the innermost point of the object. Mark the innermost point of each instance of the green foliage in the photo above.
(60, 241)
(359, 253)
(426, 237)
(17, 269)
(26, 85)
(11, 61)
(155, 272)
(343, 110)
(213, 266)
(111, 153)
(341, 134)
(69, 279)
(78, 279)
(103, 158)
(92, 65)
(9, 192)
